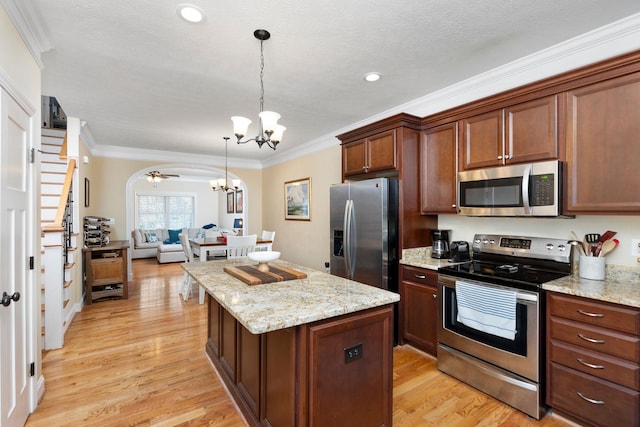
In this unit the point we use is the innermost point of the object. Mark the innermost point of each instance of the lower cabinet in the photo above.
(419, 308)
(333, 372)
(593, 358)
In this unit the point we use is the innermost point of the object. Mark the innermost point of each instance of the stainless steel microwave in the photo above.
(532, 189)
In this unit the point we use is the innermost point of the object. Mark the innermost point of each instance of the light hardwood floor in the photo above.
(141, 362)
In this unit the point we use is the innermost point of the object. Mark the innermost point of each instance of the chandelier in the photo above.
(221, 184)
(270, 131)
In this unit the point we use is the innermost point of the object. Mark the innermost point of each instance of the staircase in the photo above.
(59, 219)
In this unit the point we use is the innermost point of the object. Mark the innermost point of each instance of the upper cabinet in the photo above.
(372, 154)
(603, 128)
(391, 148)
(438, 169)
(516, 134)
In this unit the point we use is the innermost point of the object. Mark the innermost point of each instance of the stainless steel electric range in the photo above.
(491, 331)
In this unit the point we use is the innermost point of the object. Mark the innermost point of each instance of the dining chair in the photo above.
(268, 235)
(240, 246)
(188, 254)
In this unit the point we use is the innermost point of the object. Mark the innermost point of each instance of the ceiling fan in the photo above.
(156, 176)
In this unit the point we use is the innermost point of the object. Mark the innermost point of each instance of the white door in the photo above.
(15, 248)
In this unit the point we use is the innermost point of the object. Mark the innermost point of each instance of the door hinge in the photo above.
(32, 155)
(32, 369)
(31, 263)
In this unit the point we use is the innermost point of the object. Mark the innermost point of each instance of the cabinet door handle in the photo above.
(589, 365)
(592, 340)
(499, 157)
(595, 402)
(586, 313)
(434, 296)
(420, 276)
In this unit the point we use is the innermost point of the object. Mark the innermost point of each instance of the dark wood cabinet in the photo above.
(376, 153)
(419, 308)
(438, 169)
(520, 133)
(105, 271)
(301, 376)
(392, 146)
(593, 360)
(602, 130)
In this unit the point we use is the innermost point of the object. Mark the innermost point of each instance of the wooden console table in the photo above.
(105, 271)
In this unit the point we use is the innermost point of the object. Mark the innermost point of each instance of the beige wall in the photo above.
(302, 242)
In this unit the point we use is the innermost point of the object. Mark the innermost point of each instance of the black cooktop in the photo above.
(518, 275)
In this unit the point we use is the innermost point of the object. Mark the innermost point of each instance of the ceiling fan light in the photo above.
(269, 121)
(240, 126)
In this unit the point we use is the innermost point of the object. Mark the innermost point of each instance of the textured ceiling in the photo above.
(141, 77)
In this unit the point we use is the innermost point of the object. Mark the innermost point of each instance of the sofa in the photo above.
(161, 243)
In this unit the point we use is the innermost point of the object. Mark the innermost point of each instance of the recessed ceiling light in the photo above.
(372, 77)
(190, 13)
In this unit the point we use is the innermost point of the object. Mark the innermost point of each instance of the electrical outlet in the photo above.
(635, 247)
(352, 353)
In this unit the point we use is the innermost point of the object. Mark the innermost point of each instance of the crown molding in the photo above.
(30, 26)
(128, 153)
(606, 42)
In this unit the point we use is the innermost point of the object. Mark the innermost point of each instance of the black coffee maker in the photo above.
(440, 240)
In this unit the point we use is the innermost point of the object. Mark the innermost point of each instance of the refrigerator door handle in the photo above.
(348, 246)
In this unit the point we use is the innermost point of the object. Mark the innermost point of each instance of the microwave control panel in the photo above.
(543, 190)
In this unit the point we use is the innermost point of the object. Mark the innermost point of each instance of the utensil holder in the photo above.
(591, 267)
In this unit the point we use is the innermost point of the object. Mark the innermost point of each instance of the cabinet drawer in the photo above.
(610, 404)
(600, 365)
(594, 338)
(596, 313)
(419, 275)
(106, 271)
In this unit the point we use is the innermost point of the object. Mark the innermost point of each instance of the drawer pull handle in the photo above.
(595, 402)
(586, 313)
(419, 276)
(593, 340)
(589, 365)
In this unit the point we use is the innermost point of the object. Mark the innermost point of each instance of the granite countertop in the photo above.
(621, 286)
(421, 257)
(272, 306)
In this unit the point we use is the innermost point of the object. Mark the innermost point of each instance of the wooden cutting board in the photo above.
(250, 274)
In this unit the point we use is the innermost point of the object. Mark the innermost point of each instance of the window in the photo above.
(170, 211)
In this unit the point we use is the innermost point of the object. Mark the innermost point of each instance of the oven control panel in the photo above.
(522, 246)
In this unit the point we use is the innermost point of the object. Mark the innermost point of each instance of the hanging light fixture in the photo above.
(270, 131)
(221, 184)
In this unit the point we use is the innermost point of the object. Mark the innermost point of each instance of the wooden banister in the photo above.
(64, 196)
(63, 149)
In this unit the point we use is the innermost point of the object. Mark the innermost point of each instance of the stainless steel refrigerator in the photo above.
(364, 232)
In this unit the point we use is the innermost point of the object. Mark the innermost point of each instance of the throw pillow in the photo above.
(173, 235)
(151, 237)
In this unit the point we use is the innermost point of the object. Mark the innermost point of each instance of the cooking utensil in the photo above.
(578, 245)
(603, 238)
(586, 247)
(592, 239)
(608, 246)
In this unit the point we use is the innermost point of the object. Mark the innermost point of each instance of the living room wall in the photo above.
(108, 182)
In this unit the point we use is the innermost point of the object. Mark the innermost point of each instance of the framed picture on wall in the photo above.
(239, 202)
(297, 198)
(230, 203)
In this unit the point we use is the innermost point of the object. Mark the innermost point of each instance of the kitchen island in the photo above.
(315, 351)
